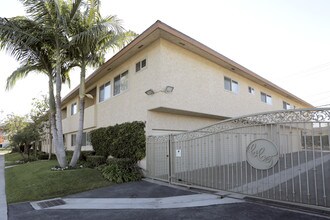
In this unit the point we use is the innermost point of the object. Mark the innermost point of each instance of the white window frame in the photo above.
(123, 83)
(233, 85)
(141, 65)
(265, 98)
(103, 92)
(251, 90)
(74, 108)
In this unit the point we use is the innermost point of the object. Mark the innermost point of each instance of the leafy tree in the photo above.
(13, 124)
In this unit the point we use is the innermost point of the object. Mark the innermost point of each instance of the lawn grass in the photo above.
(12, 158)
(35, 181)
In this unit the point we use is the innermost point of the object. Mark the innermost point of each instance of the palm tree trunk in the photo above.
(53, 134)
(77, 150)
(60, 152)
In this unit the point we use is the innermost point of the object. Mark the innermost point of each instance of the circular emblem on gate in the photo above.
(262, 154)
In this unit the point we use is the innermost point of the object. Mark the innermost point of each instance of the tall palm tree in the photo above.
(91, 37)
(40, 43)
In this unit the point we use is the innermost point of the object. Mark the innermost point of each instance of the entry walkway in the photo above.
(3, 202)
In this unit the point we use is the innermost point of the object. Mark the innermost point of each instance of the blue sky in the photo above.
(284, 41)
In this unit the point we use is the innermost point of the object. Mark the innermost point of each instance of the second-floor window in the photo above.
(231, 85)
(120, 83)
(74, 108)
(266, 98)
(286, 105)
(105, 92)
(251, 90)
(140, 65)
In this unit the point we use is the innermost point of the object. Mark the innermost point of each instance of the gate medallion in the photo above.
(262, 154)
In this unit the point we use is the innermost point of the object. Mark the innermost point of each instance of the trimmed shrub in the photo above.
(85, 154)
(121, 170)
(94, 161)
(129, 141)
(125, 140)
(100, 142)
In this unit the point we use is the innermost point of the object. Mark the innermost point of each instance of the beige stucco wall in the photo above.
(199, 86)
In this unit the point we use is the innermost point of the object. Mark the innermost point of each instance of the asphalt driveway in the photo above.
(143, 189)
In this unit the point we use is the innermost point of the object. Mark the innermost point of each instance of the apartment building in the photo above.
(173, 83)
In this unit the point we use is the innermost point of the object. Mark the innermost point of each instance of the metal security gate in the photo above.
(281, 156)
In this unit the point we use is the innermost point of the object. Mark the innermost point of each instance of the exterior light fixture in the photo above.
(167, 89)
(150, 92)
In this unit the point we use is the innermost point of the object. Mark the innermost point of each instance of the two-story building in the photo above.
(173, 83)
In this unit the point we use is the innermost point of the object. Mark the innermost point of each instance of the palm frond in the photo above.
(19, 73)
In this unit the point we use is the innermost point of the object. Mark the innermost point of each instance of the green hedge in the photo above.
(125, 140)
(121, 170)
(93, 161)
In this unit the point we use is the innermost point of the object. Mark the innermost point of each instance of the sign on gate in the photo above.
(262, 154)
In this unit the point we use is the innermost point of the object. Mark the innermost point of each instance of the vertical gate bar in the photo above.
(274, 185)
(306, 161)
(232, 159)
(322, 167)
(169, 159)
(299, 165)
(238, 159)
(314, 166)
(200, 160)
(194, 155)
(228, 162)
(219, 172)
(285, 162)
(240, 146)
(292, 165)
(261, 171)
(209, 162)
(223, 146)
(268, 189)
(245, 164)
(193, 161)
(279, 161)
(214, 161)
(213, 167)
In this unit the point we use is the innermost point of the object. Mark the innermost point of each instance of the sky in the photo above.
(284, 41)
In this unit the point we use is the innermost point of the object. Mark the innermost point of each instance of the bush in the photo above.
(44, 156)
(85, 154)
(125, 140)
(94, 161)
(121, 170)
(99, 140)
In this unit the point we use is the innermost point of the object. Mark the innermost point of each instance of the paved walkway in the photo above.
(3, 202)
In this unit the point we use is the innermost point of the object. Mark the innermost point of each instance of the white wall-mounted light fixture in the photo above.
(167, 89)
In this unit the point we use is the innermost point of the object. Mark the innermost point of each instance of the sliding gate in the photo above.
(281, 156)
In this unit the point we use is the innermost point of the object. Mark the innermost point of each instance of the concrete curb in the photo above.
(3, 201)
(196, 200)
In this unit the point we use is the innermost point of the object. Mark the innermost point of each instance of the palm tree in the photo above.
(91, 36)
(40, 44)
